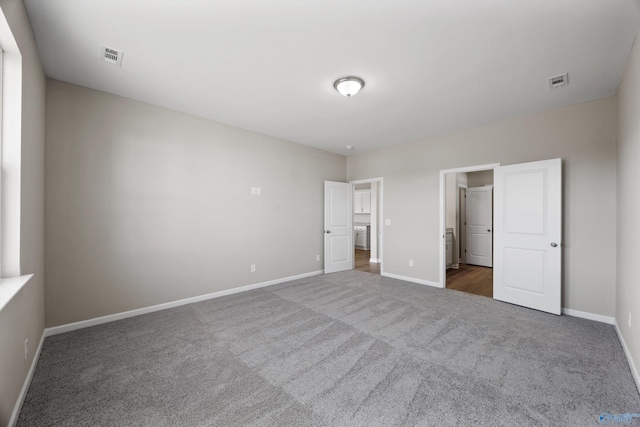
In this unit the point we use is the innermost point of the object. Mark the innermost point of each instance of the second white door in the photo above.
(479, 219)
(338, 226)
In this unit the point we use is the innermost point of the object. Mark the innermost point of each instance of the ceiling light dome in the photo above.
(349, 86)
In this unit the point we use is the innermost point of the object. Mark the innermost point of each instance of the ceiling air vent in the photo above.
(112, 56)
(558, 81)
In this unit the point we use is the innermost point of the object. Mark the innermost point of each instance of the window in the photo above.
(11, 280)
(10, 151)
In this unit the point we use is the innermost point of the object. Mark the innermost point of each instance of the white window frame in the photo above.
(11, 280)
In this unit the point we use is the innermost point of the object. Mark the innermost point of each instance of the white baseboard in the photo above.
(589, 316)
(137, 312)
(411, 279)
(632, 365)
(25, 386)
(611, 321)
(376, 260)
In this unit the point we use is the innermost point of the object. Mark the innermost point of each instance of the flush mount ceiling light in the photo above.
(349, 86)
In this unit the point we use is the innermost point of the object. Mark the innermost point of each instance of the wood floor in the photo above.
(471, 278)
(362, 262)
(468, 278)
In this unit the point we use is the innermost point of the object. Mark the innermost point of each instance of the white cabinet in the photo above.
(361, 239)
(362, 201)
(361, 236)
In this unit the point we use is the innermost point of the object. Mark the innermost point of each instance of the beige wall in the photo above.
(582, 135)
(362, 218)
(23, 317)
(628, 250)
(450, 188)
(480, 178)
(452, 210)
(146, 205)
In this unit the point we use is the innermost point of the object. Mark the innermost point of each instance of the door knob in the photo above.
(554, 244)
(488, 231)
(328, 231)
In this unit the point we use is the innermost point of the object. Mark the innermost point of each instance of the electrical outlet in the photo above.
(317, 257)
(259, 191)
(26, 348)
(387, 222)
(629, 319)
(410, 263)
(253, 268)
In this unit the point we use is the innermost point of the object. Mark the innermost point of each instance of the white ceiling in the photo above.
(430, 66)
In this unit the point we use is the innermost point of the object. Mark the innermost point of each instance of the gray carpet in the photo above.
(346, 349)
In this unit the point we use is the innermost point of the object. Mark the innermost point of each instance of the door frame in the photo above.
(442, 227)
(380, 216)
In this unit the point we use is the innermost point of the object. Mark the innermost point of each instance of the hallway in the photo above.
(362, 262)
(472, 279)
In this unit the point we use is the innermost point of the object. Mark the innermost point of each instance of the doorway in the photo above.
(468, 230)
(527, 235)
(367, 215)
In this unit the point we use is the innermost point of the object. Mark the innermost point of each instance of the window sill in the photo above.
(10, 287)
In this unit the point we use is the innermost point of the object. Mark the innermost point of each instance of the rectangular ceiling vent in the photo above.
(558, 81)
(112, 56)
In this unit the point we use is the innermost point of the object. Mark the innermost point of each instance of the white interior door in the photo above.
(338, 226)
(479, 218)
(527, 237)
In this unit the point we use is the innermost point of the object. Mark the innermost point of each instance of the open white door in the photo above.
(527, 235)
(338, 226)
(479, 223)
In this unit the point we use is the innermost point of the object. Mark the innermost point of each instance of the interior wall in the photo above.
(628, 250)
(23, 317)
(453, 182)
(462, 179)
(480, 178)
(375, 225)
(362, 218)
(450, 200)
(146, 205)
(582, 135)
(451, 211)
(462, 219)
